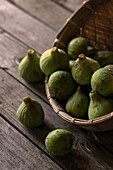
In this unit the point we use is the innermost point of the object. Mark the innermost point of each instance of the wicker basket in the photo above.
(94, 21)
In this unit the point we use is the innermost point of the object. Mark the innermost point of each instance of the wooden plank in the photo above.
(74, 130)
(7, 52)
(11, 94)
(16, 152)
(46, 11)
(25, 28)
(10, 50)
(7, 60)
(70, 4)
(6, 44)
(20, 28)
(104, 139)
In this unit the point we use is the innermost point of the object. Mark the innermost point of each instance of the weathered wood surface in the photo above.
(25, 28)
(79, 155)
(47, 12)
(16, 152)
(12, 50)
(6, 43)
(22, 29)
(71, 5)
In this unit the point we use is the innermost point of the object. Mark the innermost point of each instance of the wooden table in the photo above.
(33, 24)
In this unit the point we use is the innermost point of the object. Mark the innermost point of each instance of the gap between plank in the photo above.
(91, 138)
(29, 139)
(61, 5)
(5, 31)
(26, 86)
(33, 16)
(100, 145)
(5, 69)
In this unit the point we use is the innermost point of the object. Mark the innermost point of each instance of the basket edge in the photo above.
(80, 122)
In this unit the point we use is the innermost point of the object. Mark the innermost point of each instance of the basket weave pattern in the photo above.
(94, 21)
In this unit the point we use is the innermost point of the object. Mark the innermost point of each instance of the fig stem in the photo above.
(92, 91)
(54, 49)
(30, 52)
(27, 100)
(81, 56)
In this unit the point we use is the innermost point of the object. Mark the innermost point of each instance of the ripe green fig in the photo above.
(59, 142)
(61, 85)
(53, 60)
(99, 106)
(83, 68)
(78, 46)
(102, 81)
(77, 104)
(71, 63)
(29, 68)
(104, 57)
(30, 113)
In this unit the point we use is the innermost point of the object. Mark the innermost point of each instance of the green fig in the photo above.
(59, 142)
(104, 57)
(61, 85)
(99, 106)
(78, 46)
(53, 60)
(30, 113)
(102, 81)
(83, 69)
(77, 104)
(109, 67)
(71, 63)
(29, 68)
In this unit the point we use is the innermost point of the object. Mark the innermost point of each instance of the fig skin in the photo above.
(61, 85)
(71, 63)
(59, 142)
(99, 106)
(104, 57)
(53, 60)
(29, 68)
(83, 68)
(77, 104)
(78, 46)
(30, 113)
(102, 81)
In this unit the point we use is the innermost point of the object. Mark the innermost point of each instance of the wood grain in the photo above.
(11, 48)
(6, 43)
(11, 51)
(71, 5)
(47, 12)
(11, 94)
(16, 152)
(25, 28)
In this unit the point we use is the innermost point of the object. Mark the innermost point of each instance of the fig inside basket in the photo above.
(93, 21)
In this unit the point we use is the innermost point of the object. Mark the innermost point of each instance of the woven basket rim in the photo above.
(70, 19)
(60, 41)
(62, 113)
